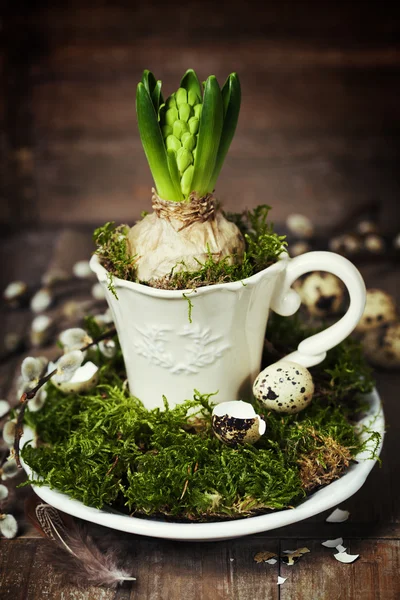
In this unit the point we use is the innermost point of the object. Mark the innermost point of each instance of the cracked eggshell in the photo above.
(382, 345)
(322, 293)
(84, 379)
(236, 423)
(285, 387)
(380, 308)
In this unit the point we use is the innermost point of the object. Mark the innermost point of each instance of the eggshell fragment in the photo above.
(236, 423)
(343, 557)
(380, 308)
(332, 543)
(338, 516)
(285, 387)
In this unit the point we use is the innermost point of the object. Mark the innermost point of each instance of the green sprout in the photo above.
(187, 137)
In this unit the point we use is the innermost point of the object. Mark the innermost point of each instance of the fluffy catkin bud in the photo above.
(8, 526)
(74, 339)
(3, 492)
(9, 432)
(31, 368)
(9, 469)
(67, 365)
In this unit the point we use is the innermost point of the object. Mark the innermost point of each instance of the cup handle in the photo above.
(286, 302)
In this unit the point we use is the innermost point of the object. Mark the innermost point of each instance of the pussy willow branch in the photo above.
(32, 393)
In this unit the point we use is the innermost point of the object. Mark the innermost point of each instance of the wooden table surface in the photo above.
(221, 570)
(318, 134)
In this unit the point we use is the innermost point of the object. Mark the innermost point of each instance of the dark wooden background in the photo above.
(318, 134)
(319, 127)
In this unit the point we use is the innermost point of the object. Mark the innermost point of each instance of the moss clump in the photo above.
(263, 247)
(111, 243)
(105, 448)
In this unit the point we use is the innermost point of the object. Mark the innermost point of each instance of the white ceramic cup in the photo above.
(220, 349)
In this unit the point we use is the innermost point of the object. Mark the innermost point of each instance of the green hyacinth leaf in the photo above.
(190, 82)
(149, 81)
(153, 144)
(156, 97)
(208, 141)
(174, 172)
(231, 97)
(153, 88)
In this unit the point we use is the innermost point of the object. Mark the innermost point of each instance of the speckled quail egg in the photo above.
(382, 345)
(380, 308)
(322, 293)
(285, 387)
(236, 422)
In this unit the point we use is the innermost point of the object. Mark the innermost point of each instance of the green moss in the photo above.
(263, 247)
(112, 249)
(105, 448)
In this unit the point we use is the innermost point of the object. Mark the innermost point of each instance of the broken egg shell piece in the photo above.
(285, 387)
(343, 557)
(332, 543)
(84, 379)
(236, 422)
(338, 516)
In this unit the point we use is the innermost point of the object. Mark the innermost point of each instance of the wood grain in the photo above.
(371, 577)
(319, 129)
(319, 133)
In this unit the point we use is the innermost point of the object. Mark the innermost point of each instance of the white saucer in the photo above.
(327, 497)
